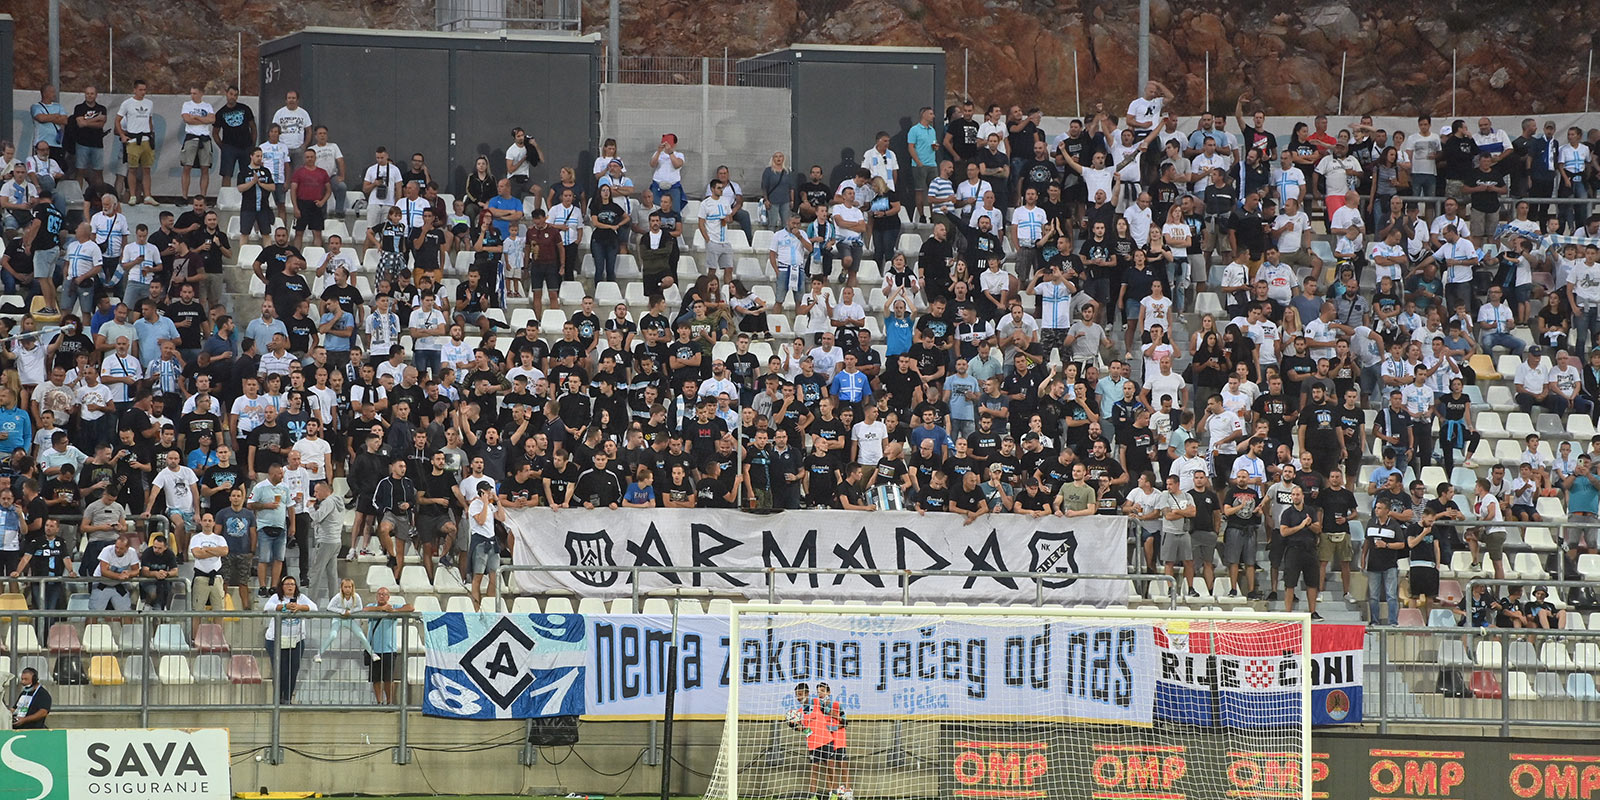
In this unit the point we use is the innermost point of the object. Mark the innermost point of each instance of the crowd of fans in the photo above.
(1204, 330)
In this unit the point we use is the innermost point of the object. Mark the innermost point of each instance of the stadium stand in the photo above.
(1347, 371)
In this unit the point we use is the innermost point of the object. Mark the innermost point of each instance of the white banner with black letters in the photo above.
(591, 543)
(875, 667)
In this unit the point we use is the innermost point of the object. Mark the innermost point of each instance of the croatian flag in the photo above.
(1237, 676)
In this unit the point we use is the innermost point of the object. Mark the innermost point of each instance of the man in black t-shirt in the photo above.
(961, 134)
(235, 129)
(1300, 564)
(815, 193)
(87, 128)
(1338, 507)
(1320, 433)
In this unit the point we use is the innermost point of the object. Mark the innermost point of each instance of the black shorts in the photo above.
(9, 559)
(310, 216)
(1425, 581)
(430, 527)
(364, 504)
(545, 274)
(381, 670)
(823, 754)
(1300, 567)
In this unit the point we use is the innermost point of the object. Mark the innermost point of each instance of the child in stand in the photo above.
(516, 283)
(345, 603)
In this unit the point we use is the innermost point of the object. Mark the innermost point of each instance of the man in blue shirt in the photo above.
(963, 390)
(16, 427)
(505, 208)
(922, 142)
(152, 329)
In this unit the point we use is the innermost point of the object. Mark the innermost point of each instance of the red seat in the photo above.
(208, 638)
(1412, 618)
(1485, 686)
(243, 669)
(1450, 592)
(64, 638)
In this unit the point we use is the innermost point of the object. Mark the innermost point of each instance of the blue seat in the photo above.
(1441, 618)
(1475, 394)
(171, 639)
(1580, 686)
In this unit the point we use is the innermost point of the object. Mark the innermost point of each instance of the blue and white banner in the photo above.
(876, 667)
(504, 666)
(733, 553)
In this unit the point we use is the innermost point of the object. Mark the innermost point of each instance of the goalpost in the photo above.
(1019, 703)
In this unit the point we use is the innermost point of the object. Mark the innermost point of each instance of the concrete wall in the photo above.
(168, 128)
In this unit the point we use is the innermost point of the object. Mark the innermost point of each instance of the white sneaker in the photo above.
(318, 659)
(1348, 599)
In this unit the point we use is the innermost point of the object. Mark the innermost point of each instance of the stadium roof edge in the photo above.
(845, 48)
(488, 36)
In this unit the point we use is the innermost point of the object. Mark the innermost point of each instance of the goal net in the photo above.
(843, 703)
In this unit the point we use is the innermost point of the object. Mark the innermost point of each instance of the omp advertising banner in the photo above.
(591, 541)
(115, 762)
(1247, 678)
(1034, 762)
(1441, 768)
(876, 667)
(503, 666)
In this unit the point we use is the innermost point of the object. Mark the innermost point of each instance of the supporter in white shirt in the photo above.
(1389, 257)
(1449, 217)
(1347, 217)
(1288, 179)
(869, 435)
(294, 122)
(1533, 374)
(1145, 110)
(1321, 333)
(1280, 278)
(380, 182)
(1138, 215)
(881, 161)
(1291, 229)
(1491, 141)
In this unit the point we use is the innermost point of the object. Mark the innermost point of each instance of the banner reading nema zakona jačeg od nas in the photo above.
(115, 763)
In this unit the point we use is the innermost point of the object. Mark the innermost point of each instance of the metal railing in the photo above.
(1481, 676)
(772, 589)
(488, 15)
(696, 71)
(108, 661)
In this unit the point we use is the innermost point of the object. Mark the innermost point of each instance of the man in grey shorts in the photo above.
(1241, 510)
(1177, 515)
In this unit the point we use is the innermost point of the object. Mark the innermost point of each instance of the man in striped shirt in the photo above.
(85, 263)
(121, 370)
(941, 200)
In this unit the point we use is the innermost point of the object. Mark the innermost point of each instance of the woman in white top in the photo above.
(1175, 232)
(286, 634)
(346, 602)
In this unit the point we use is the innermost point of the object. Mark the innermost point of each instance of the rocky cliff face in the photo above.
(1513, 55)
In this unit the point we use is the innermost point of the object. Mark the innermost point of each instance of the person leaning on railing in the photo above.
(47, 557)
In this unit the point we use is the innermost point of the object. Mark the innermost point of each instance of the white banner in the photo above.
(115, 762)
(875, 667)
(746, 544)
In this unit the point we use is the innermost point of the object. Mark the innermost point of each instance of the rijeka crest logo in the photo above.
(592, 550)
(1054, 551)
